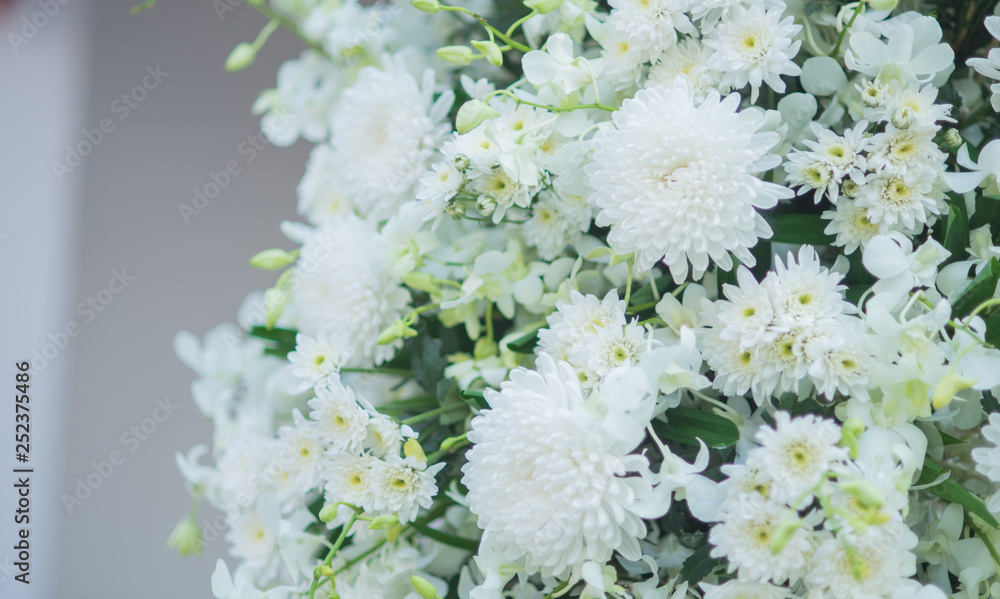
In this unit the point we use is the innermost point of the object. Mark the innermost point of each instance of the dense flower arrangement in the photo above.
(645, 298)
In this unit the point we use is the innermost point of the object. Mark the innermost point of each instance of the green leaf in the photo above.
(475, 399)
(950, 490)
(956, 231)
(524, 344)
(800, 228)
(993, 329)
(979, 290)
(947, 439)
(987, 213)
(415, 404)
(699, 565)
(687, 425)
(282, 341)
(989, 403)
(445, 538)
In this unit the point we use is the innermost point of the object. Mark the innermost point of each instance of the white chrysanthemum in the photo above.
(347, 480)
(301, 103)
(990, 66)
(321, 194)
(796, 453)
(709, 12)
(870, 570)
(744, 481)
(440, 184)
(549, 483)
(911, 107)
(839, 362)
(557, 220)
(344, 282)
(250, 540)
(674, 180)
(579, 318)
(315, 359)
(744, 589)
(610, 348)
(905, 151)
(803, 291)
(988, 458)
(689, 58)
(902, 202)
(753, 45)
(402, 486)
(748, 315)
(830, 159)
(384, 131)
(302, 452)
(737, 370)
(650, 26)
(851, 225)
(385, 437)
(744, 538)
(341, 422)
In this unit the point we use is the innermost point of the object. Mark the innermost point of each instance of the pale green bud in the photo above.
(424, 281)
(328, 513)
(423, 588)
(784, 532)
(459, 55)
(412, 449)
(384, 522)
(490, 50)
(325, 571)
(883, 4)
(429, 6)
(952, 139)
(484, 348)
(486, 205)
(849, 433)
(903, 117)
(186, 538)
(273, 259)
(543, 6)
(472, 114)
(397, 330)
(451, 442)
(241, 57)
(455, 210)
(947, 387)
(867, 495)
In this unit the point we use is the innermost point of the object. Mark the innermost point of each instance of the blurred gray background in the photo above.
(62, 241)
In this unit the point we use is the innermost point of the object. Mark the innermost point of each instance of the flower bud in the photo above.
(867, 495)
(947, 387)
(412, 449)
(849, 188)
(484, 348)
(873, 93)
(241, 57)
(455, 210)
(543, 6)
(486, 205)
(461, 162)
(472, 113)
(273, 259)
(325, 571)
(459, 55)
(490, 50)
(883, 4)
(428, 6)
(186, 538)
(423, 588)
(903, 117)
(451, 442)
(328, 513)
(784, 532)
(384, 522)
(952, 139)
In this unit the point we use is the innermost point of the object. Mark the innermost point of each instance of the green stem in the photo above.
(394, 371)
(264, 34)
(288, 24)
(435, 456)
(986, 541)
(488, 317)
(840, 39)
(628, 285)
(519, 22)
(436, 411)
(317, 579)
(547, 107)
(491, 30)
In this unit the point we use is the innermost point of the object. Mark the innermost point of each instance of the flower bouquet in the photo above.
(640, 298)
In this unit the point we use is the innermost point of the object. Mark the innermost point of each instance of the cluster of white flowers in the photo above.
(645, 299)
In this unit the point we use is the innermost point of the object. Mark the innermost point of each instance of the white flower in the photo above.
(621, 60)
(300, 105)
(904, 151)
(988, 458)
(385, 128)
(559, 65)
(866, 570)
(796, 453)
(689, 58)
(557, 220)
(650, 26)
(548, 480)
(402, 486)
(911, 107)
(674, 180)
(831, 158)
(850, 223)
(315, 359)
(251, 540)
(302, 451)
(321, 195)
(347, 480)
(905, 202)
(610, 348)
(748, 315)
(440, 184)
(990, 66)
(753, 45)
(804, 291)
(744, 538)
(577, 320)
(900, 268)
(344, 281)
(912, 53)
(385, 437)
(341, 422)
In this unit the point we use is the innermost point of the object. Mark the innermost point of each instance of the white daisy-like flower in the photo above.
(320, 192)
(557, 220)
(753, 45)
(744, 538)
(748, 315)
(911, 107)
(744, 481)
(990, 66)
(385, 128)
(796, 453)
(710, 12)
(902, 201)
(905, 151)
(250, 539)
(674, 180)
(611, 348)
(841, 155)
(402, 486)
(650, 26)
(341, 422)
(988, 458)
(440, 184)
(302, 451)
(622, 61)
(301, 103)
(689, 58)
(315, 359)
(737, 370)
(548, 481)
(866, 570)
(851, 224)
(344, 282)
(346, 478)
(385, 437)
(804, 291)
(839, 362)
(577, 319)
